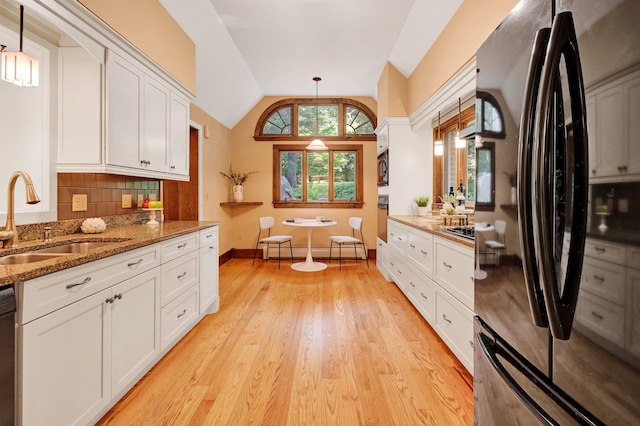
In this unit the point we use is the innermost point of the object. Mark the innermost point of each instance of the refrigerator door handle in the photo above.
(525, 195)
(495, 348)
(560, 307)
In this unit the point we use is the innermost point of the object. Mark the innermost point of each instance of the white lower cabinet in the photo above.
(87, 334)
(209, 300)
(436, 275)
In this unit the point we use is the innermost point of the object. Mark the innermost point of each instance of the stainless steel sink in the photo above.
(30, 257)
(73, 248)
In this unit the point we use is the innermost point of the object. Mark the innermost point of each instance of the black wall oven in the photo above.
(383, 168)
(383, 212)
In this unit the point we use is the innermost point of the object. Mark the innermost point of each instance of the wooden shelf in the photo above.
(509, 206)
(243, 203)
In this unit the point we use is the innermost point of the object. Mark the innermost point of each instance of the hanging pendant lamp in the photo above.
(19, 68)
(460, 143)
(438, 144)
(317, 144)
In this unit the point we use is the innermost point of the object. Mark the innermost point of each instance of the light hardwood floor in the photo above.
(293, 348)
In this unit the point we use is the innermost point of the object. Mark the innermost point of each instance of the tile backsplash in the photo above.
(104, 193)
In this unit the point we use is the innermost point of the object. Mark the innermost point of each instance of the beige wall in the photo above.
(216, 156)
(392, 93)
(148, 26)
(457, 44)
(249, 155)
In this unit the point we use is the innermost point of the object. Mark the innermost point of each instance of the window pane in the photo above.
(279, 123)
(318, 176)
(290, 175)
(327, 120)
(492, 119)
(485, 180)
(471, 171)
(357, 122)
(344, 175)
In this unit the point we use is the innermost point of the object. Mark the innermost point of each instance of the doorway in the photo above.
(181, 198)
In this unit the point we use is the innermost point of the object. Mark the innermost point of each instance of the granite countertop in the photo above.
(124, 238)
(432, 226)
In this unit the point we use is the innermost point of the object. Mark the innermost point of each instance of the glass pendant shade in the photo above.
(19, 68)
(317, 144)
(438, 144)
(459, 142)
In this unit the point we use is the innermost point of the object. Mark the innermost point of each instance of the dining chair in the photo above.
(355, 223)
(266, 223)
(499, 243)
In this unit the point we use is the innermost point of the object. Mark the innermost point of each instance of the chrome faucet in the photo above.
(9, 236)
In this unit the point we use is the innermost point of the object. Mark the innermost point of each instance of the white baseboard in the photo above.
(319, 252)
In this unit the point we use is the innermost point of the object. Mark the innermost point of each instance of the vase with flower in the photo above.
(237, 178)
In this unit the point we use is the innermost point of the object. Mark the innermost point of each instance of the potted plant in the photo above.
(423, 203)
(237, 178)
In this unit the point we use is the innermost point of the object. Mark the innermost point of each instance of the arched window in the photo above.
(295, 119)
(490, 121)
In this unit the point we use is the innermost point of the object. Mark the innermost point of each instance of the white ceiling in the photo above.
(247, 49)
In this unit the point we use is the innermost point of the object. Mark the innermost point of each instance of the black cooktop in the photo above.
(462, 231)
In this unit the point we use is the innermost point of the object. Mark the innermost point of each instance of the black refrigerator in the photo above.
(557, 326)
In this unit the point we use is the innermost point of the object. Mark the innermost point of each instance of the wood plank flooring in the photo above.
(293, 348)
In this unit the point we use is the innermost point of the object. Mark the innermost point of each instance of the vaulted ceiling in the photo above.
(247, 49)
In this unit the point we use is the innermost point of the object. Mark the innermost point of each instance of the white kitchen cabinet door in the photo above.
(610, 123)
(632, 108)
(64, 378)
(208, 276)
(125, 83)
(135, 328)
(80, 107)
(179, 136)
(156, 125)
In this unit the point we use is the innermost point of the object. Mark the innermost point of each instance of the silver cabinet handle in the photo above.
(412, 284)
(182, 313)
(444, 317)
(86, 280)
(423, 295)
(210, 247)
(423, 252)
(135, 263)
(181, 246)
(471, 343)
(598, 278)
(600, 249)
(181, 276)
(597, 315)
(209, 236)
(412, 246)
(446, 265)
(399, 238)
(118, 296)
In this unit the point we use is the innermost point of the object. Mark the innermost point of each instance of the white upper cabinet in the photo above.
(609, 107)
(179, 136)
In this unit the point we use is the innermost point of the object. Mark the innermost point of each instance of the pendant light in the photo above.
(19, 68)
(460, 143)
(438, 144)
(317, 144)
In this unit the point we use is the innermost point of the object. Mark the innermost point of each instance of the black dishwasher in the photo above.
(7, 354)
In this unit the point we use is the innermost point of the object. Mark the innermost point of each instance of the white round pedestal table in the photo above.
(479, 274)
(309, 265)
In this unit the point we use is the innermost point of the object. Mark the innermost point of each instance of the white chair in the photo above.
(499, 243)
(355, 223)
(266, 223)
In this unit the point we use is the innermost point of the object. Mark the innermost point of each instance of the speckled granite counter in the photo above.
(124, 238)
(431, 226)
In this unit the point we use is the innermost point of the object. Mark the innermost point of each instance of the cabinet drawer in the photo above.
(397, 269)
(421, 293)
(453, 270)
(601, 317)
(420, 250)
(397, 235)
(176, 247)
(178, 275)
(604, 279)
(177, 317)
(606, 251)
(454, 323)
(209, 236)
(45, 294)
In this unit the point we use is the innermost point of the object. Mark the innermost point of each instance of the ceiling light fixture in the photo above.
(460, 143)
(18, 68)
(438, 144)
(317, 144)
